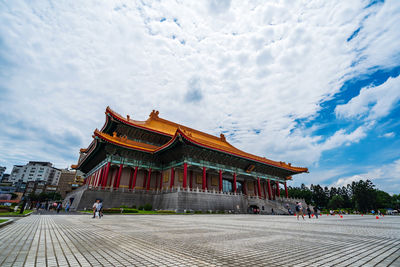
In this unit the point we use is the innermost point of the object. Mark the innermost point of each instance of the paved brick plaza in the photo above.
(202, 240)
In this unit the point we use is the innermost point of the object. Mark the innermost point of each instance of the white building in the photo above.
(36, 171)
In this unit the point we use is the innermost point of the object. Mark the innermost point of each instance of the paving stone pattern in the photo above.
(200, 240)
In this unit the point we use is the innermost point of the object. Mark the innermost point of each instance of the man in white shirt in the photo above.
(95, 205)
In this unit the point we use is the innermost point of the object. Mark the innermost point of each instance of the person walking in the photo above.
(316, 212)
(299, 210)
(95, 205)
(59, 206)
(67, 207)
(100, 209)
(309, 212)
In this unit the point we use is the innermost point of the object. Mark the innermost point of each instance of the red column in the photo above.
(286, 191)
(172, 177)
(269, 189)
(97, 178)
(106, 175)
(184, 175)
(220, 181)
(204, 179)
(273, 192)
(103, 176)
(148, 179)
(234, 182)
(278, 191)
(112, 180)
(94, 177)
(91, 178)
(134, 178)
(161, 180)
(191, 179)
(259, 187)
(119, 175)
(265, 195)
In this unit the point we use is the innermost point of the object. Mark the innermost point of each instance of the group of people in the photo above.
(57, 206)
(299, 211)
(97, 209)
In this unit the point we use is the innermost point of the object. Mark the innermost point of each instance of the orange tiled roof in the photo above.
(159, 125)
(123, 141)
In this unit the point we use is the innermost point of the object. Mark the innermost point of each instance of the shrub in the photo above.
(198, 212)
(221, 212)
(148, 207)
(166, 211)
(140, 208)
(6, 209)
(383, 211)
(188, 211)
(118, 210)
(130, 211)
(134, 207)
(123, 206)
(112, 210)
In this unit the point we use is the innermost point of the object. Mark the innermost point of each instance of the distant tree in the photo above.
(319, 197)
(383, 200)
(395, 199)
(33, 197)
(301, 192)
(333, 192)
(336, 202)
(345, 194)
(364, 195)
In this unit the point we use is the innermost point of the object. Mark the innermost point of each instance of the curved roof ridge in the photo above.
(241, 153)
(156, 124)
(154, 117)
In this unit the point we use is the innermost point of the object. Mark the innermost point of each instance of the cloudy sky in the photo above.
(315, 83)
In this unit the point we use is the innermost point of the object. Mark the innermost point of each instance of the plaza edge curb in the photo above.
(17, 216)
(6, 223)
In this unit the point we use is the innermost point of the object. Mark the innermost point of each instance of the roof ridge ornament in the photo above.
(222, 136)
(154, 114)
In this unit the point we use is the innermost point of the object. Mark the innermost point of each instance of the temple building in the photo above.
(171, 166)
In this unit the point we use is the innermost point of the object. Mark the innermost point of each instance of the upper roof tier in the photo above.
(158, 125)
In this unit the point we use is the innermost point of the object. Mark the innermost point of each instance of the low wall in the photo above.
(175, 200)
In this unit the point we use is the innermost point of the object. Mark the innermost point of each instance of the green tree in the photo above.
(364, 195)
(395, 201)
(383, 200)
(319, 197)
(345, 194)
(336, 202)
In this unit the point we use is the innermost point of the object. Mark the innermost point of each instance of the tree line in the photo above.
(360, 196)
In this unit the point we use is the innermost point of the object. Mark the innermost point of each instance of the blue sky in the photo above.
(314, 83)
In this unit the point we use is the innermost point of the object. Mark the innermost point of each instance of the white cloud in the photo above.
(255, 68)
(385, 177)
(389, 135)
(373, 102)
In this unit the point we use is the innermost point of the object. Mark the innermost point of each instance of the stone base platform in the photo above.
(178, 200)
